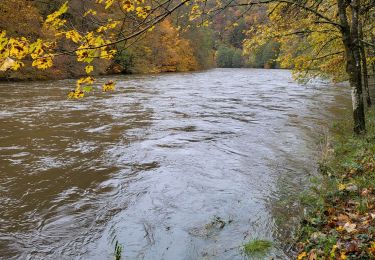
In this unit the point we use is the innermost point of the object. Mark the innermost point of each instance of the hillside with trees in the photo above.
(177, 44)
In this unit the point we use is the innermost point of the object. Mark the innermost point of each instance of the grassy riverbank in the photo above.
(339, 208)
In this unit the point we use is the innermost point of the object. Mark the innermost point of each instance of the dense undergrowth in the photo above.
(339, 208)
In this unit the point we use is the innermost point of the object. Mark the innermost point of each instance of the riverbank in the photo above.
(339, 209)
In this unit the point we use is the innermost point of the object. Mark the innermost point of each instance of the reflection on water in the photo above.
(153, 163)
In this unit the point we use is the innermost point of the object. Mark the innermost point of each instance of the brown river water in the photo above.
(152, 164)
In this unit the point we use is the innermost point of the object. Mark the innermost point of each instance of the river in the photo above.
(153, 164)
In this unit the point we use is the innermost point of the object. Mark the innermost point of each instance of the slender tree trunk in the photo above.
(364, 65)
(353, 61)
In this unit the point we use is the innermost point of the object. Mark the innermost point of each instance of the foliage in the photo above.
(125, 60)
(229, 57)
(202, 43)
(265, 56)
(339, 222)
(306, 45)
(162, 50)
(310, 44)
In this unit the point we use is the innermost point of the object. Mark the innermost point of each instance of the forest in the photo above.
(206, 67)
(198, 47)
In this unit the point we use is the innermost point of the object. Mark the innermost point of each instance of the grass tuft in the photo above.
(257, 246)
(118, 251)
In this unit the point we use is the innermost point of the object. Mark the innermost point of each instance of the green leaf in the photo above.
(87, 88)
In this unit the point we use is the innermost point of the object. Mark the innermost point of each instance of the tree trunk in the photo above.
(350, 39)
(364, 65)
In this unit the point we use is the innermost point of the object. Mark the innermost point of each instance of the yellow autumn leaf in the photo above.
(53, 19)
(128, 6)
(333, 251)
(371, 249)
(17, 65)
(90, 11)
(43, 62)
(107, 54)
(301, 256)
(58, 13)
(108, 3)
(109, 86)
(142, 11)
(89, 69)
(18, 48)
(77, 94)
(73, 35)
(85, 81)
(341, 187)
(340, 228)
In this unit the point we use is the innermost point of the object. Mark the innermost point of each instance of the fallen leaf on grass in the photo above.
(371, 249)
(351, 187)
(351, 247)
(349, 227)
(343, 218)
(312, 255)
(301, 255)
(364, 192)
(341, 187)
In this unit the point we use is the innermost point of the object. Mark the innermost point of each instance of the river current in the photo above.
(159, 164)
